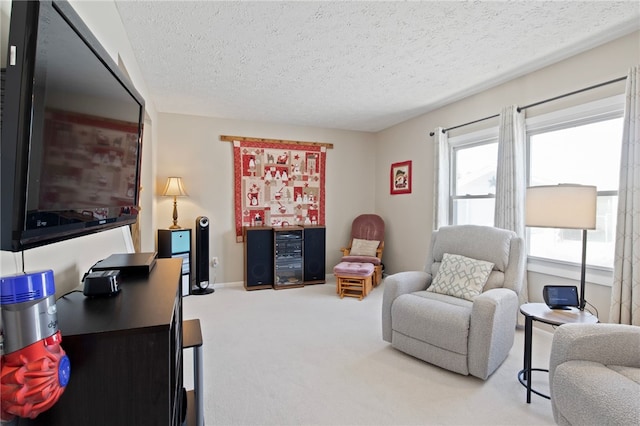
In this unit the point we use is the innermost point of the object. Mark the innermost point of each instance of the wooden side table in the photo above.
(541, 312)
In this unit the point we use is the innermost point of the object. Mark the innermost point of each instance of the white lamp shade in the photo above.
(174, 187)
(561, 206)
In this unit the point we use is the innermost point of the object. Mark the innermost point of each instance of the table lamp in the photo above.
(568, 206)
(175, 188)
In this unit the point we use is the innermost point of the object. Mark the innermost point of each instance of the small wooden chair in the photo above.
(367, 243)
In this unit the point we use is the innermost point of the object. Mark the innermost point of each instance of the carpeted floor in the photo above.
(306, 357)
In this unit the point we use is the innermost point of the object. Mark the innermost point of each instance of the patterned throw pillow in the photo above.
(461, 276)
(363, 247)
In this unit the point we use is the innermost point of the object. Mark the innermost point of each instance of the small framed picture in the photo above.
(401, 178)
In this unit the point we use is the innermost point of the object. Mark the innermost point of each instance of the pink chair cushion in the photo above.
(353, 269)
(361, 259)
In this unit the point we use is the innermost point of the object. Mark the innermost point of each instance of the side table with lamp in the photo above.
(175, 241)
(565, 206)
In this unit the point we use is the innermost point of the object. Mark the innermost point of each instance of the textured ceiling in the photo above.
(351, 65)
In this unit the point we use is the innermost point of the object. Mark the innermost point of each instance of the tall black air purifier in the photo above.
(201, 275)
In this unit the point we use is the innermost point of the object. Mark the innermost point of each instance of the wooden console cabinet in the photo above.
(125, 353)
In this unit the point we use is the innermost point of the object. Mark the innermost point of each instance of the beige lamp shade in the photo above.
(561, 206)
(174, 187)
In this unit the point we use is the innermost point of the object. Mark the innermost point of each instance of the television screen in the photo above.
(71, 131)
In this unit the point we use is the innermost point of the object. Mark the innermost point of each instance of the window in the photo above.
(587, 153)
(474, 184)
(577, 145)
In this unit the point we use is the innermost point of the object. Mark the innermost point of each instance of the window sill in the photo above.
(594, 275)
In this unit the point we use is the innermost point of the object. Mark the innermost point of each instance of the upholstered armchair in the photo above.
(366, 243)
(594, 374)
(460, 312)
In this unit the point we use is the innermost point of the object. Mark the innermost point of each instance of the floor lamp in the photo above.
(175, 188)
(566, 206)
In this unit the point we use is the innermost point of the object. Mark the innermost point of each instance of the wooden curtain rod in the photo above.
(226, 138)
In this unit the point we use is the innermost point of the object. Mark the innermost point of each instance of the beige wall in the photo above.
(190, 147)
(410, 216)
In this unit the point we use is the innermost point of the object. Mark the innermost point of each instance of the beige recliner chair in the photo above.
(594, 374)
(468, 329)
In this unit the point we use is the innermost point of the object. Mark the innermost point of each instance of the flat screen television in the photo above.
(71, 131)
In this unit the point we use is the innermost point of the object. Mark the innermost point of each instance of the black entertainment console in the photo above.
(125, 353)
(284, 257)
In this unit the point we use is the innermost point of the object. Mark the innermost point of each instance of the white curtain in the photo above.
(510, 177)
(441, 178)
(625, 293)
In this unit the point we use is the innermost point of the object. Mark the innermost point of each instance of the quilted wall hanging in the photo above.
(278, 183)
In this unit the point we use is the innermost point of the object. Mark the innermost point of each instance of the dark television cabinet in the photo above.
(125, 353)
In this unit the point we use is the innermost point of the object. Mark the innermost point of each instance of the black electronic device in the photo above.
(561, 296)
(314, 254)
(71, 131)
(258, 258)
(288, 257)
(129, 264)
(202, 257)
(101, 283)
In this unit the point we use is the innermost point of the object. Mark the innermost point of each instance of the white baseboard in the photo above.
(229, 284)
(329, 277)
